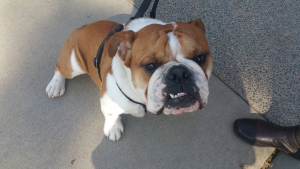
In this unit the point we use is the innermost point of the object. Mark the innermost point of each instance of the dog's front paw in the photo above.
(56, 87)
(113, 129)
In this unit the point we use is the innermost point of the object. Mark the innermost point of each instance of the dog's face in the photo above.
(170, 64)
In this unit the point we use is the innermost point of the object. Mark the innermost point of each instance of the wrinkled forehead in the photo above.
(163, 43)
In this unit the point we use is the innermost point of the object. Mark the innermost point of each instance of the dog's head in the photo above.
(170, 63)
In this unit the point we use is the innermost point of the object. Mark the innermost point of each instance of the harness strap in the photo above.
(100, 49)
(97, 59)
(144, 106)
(141, 11)
(152, 13)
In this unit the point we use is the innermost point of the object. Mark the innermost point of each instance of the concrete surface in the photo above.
(284, 161)
(255, 47)
(67, 132)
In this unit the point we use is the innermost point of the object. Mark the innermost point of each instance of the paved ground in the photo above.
(285, 161)
(66, 132)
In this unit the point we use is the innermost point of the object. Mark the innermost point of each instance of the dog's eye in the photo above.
(151, 67)
(200, 59)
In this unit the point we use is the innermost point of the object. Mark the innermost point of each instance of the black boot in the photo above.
(266, 134)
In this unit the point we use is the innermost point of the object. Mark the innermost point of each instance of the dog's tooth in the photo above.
(172, 96)
(176, 96)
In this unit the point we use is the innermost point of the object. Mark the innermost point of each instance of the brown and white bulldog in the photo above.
(165, 66)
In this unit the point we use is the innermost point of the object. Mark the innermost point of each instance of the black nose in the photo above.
(178, 73)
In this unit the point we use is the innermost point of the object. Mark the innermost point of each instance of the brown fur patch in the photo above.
(150, 46)
(85, 41)
(193, 42)
(122, 42)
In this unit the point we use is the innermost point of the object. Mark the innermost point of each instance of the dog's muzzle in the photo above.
(177, 91)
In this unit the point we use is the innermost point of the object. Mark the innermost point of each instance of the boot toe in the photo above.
(245, 129)
(266, 134)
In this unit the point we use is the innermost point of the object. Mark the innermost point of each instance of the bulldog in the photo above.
(165, 66)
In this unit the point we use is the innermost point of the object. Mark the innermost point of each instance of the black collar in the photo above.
(144, 106)
(139, 14)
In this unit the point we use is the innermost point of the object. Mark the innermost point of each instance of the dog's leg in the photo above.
(67, 67)
(113, 127)
(56, 87)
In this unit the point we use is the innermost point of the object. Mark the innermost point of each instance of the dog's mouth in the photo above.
(180, 103)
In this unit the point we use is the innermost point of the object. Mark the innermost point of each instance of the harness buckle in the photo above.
(95, 61)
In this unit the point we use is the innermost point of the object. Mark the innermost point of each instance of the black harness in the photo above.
(139, 14)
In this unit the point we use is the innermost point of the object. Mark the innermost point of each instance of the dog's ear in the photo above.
(121, 42)
(199, 24)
